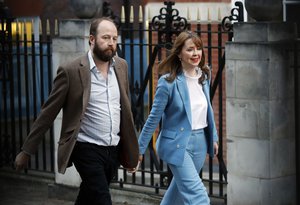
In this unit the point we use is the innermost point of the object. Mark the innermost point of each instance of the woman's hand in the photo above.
(216, 148)
(133, 170)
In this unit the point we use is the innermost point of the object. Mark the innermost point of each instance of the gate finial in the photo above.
(237, 14)
(168, 22)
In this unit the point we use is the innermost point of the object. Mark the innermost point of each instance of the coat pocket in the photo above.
(168, 134)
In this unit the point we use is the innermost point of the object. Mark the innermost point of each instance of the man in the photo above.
(97, 126)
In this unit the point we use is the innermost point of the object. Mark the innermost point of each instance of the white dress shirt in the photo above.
(101, 122)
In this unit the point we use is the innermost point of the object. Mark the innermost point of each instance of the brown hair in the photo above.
(96, 22)
(172, 63)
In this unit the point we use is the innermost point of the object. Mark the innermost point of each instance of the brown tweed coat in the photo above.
(71, 92)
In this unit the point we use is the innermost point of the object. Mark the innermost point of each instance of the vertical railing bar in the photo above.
(209, 43)
(19, 84)
(33, 66)
(11, 81)
(141, 39)
(297, 113)
(42, 93)
(4, 91)
(33, 54)
(41, 68)
(26, 81)
(49, 65)
(123, 37)
(209, 52)
(220, 107)
(131, 46)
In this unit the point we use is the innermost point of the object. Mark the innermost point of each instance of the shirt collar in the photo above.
(92, 62)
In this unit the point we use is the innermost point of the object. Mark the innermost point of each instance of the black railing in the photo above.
(26, 80)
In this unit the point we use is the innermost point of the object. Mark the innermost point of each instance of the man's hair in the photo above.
(96, 22)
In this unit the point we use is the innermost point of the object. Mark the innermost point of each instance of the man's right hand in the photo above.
(21, 161)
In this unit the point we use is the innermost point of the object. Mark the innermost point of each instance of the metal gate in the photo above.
(144, 48)
(26, 78)
(25, 82)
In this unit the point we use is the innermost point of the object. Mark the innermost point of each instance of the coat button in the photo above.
(178, 146)
(181, 129)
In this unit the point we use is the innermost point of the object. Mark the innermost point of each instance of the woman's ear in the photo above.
(179, 57)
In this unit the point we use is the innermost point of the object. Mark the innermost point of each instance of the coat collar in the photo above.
(85, 76)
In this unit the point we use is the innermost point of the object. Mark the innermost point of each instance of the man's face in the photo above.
(104, 44)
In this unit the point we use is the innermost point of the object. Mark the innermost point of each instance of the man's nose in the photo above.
(111, 41)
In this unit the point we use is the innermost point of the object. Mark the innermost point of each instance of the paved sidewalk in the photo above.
(18, 191)
(25, 190)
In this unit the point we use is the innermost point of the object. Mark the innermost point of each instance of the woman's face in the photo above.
(190, 55)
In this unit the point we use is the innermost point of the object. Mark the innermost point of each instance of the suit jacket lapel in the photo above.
(85, 76)
(121, 79)
(184, 93)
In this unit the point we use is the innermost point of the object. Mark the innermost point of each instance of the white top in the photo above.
(101, 122)
(198, 102)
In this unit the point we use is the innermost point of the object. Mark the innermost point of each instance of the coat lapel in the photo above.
(85, 76)
(120, 77)
(184, 93)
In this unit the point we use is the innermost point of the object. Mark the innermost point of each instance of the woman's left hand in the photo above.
(216, 148)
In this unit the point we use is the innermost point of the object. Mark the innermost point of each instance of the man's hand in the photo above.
(133, 170)
(21, 161)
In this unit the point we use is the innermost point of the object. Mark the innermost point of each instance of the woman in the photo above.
(188, 129)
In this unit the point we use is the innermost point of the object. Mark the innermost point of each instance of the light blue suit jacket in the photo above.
(172, 105)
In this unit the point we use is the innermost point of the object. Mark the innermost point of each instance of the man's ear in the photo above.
(92, 39)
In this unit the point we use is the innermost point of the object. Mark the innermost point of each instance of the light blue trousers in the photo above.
(186, 187)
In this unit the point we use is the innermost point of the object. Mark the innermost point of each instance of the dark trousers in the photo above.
(96, 165)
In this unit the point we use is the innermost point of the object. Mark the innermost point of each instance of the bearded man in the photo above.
(97, 133)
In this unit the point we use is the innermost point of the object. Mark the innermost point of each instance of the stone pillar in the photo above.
(71, 43)
(260, 119)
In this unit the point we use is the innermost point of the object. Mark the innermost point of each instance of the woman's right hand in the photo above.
(138, 164)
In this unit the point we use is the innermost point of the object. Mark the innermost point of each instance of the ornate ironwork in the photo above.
(108, 12)
(168, 23)
(237, 15)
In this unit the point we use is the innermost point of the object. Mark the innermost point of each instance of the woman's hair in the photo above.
(172, 63)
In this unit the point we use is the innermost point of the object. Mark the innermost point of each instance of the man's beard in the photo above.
(104, 55)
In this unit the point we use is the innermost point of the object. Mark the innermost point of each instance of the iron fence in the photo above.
(26, 78)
